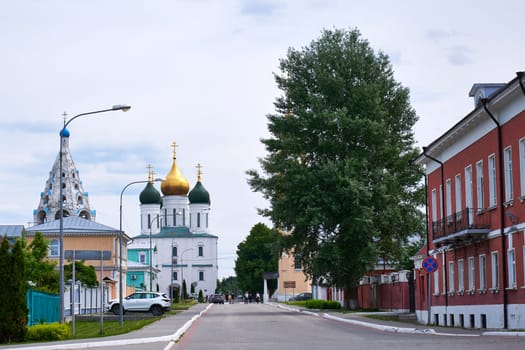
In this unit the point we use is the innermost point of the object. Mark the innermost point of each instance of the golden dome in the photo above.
(175, 184)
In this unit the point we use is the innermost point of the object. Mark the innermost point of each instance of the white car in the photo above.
(154, 302)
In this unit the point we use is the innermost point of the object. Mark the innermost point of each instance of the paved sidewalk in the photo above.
(168, 329)
(361, 319)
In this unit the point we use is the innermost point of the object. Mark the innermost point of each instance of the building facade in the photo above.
(475, 177)
(175, 231)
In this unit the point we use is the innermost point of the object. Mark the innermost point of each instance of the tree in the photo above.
(13, 305)
(257, 254)
(39, 270)
(85, 274)
(337, 173)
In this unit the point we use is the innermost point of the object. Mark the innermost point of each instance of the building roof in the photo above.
(73, 225)
(11, 230)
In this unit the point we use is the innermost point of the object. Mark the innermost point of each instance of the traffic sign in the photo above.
(430, 264)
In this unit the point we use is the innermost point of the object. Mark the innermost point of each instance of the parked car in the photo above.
(301, 296)
(154, 302)
(216, 299)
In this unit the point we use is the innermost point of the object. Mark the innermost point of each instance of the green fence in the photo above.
(43, 307)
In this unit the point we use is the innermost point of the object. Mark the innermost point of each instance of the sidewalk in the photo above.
(362, 319)
(168, 329)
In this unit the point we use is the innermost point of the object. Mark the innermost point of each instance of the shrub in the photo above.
(322, 304)
(201, 296)
(46, 332)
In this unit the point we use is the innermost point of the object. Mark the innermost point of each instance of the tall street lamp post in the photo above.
(182, 274)
(121, 310)
(123, 108)
(156, 217)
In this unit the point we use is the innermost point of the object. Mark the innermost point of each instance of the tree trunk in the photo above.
(351, 302)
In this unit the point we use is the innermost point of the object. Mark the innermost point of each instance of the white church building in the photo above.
(176, 227)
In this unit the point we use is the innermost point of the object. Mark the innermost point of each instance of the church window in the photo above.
(174, 251)
(297, 262)
(63, 185)
(198, 219)
(201, 275)
(50, 186)
(76, 186)
(80, 201)
(201, 250)
(175, 275)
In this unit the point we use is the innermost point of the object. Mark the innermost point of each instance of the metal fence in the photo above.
(43, 307)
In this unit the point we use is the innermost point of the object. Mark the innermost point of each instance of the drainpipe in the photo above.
(425, 149)
(484, 101)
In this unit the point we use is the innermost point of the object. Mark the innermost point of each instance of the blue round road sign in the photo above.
(430, 264)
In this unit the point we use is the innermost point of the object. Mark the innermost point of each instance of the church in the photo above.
(174, 240)
(175, 231)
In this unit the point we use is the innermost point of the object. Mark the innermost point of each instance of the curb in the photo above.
(171, 339)
(392, 329)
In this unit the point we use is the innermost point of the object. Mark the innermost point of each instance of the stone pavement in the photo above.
(170, 328)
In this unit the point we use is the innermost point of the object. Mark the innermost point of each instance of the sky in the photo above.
(201, 73)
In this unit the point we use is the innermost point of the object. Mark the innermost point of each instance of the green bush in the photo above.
(201, 296)
(322, 304)
(46, 332)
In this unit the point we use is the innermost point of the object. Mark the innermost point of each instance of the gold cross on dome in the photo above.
(199, 171)
(174, 145)
(150, 172)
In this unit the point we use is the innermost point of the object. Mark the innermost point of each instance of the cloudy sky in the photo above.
(200, 73)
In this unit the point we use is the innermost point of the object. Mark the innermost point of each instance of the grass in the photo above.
(91, 329)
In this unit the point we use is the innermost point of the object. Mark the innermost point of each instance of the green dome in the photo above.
(199, 195)
(150, 195)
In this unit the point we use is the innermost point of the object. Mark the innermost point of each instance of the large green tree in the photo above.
(337, 173)
(13, 305)
(257, 254)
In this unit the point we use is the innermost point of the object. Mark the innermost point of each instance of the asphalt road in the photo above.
(258, 327)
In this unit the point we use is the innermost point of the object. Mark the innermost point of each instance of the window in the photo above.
(492, 181)
(142, 257)
(522, 166)
(434, 205)
(471, 274)
(297, 262)
(149, 221)
(448, 189)
(175, 276)
(174, 251)
(458, 195)
(198, 219)
(436, 282)
(495, 270)
(174, 217)
(479, 186)
(512, 269)
(509, 189)
(482, 272)
(54, 247)
(461, 275)
(201, 275)
(201, 250)
(451, 286)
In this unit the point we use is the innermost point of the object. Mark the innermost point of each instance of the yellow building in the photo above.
(292, 279)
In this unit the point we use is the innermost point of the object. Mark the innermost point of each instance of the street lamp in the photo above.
(156, 217)
(182, 274)
(121, 310)
(123, 108)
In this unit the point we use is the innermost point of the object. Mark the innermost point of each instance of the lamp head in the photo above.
(123, 108)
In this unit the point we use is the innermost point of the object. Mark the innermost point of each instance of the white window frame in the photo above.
(448, 193)
(461, 275)
(479, 186)
(494, 267)
(459, 204)
(54, 248)
(436, 282)
(471, 274)
(492, 180)
(451, 278)
(522, 167)
(142, 257)
(434, 205)
(509, 187)
(483, 272)
(511, 255)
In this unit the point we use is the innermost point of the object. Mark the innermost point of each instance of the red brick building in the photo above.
(475, 177)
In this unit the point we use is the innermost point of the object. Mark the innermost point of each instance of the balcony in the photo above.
(468, 225)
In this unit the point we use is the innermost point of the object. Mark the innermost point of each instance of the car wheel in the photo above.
(156, 310)
(115, 309)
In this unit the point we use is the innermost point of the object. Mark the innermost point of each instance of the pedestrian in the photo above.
(257, 297)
